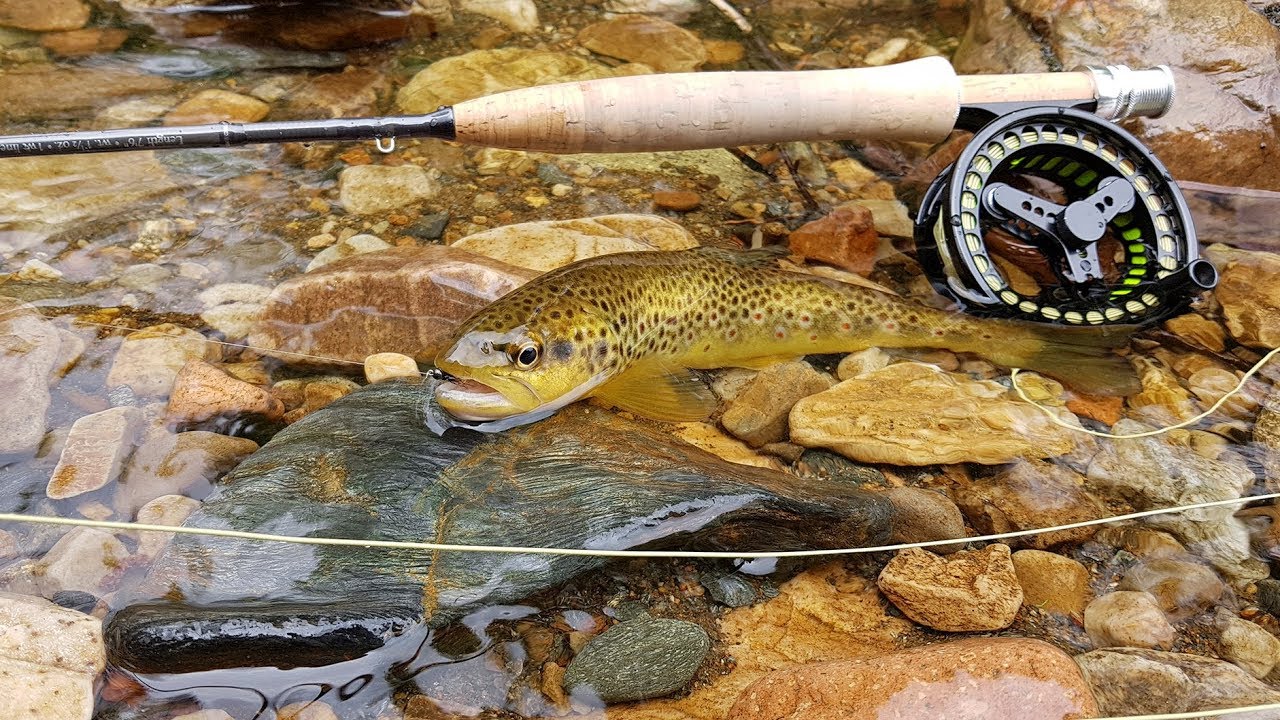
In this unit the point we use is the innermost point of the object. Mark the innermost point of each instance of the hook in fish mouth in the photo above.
(472, 400)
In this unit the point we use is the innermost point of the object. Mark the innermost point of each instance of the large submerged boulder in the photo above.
(368, 467)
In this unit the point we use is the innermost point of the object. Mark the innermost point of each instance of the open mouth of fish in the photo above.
(472, 400)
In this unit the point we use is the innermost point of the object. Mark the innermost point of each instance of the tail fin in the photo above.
(1079, 357)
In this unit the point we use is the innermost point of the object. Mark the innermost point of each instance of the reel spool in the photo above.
(1055, 215)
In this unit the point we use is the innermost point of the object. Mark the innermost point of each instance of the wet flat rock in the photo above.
(964, 680)
(367, 467)
(405, 300)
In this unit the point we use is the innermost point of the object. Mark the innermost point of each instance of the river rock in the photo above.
(915, 414)
(519, 15)
(963, 680)
(661, 45)
(1182, 588)
(846, 237)
(49, 659)
(212, 106)
(169, 510)
(375, 189)
(1225, 57)
(1134, 681)
(202, 392)
(710, 438)
(825, 613)
(1052, 582)
(391, 478)
(1165, 471)
(352, 246)
(89, 187)
(548, 244)
(1027, 495)
(924, 515)
(88, 41)
(968, 591)
(484, 72)
(1127, 618)
(638, 659)
(81, 560)
(29, 354)
(149, 359)
(758, 415)
(185, 463)
(1163, 400)
(354, 92)
(44, 16)
(1250, 300)
(404, 300)
(94, 452)
(1246, 644)
(384, 366)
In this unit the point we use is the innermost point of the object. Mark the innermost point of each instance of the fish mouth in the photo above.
(473, 401)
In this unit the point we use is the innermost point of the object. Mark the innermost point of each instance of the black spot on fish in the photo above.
(561, 350)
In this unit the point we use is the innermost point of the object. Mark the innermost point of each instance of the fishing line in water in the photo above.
(591, 552)
(1194, 715)
(1013, 378)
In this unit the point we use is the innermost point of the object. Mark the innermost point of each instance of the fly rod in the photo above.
(919, 100)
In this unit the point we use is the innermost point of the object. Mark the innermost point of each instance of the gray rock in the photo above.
(429, 227)
(390, 478)
(370, 189)
(1127, 618)
(81, 560)
(732, 590)
(921, 515)
(148, 360)
(1134, 681)
(28, 355)
(638, 659)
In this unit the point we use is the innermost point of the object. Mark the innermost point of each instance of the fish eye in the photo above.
(527, 355)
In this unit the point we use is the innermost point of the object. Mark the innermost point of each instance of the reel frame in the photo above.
(1116, 188)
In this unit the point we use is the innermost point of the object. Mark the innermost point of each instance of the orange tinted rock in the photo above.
(202, 392)
(210, 106)
(44, 15)
(405, 300)
(965, 680)
(1106, 410)
(85, 42)
(968, 591)
(678, 200)
(845, 238)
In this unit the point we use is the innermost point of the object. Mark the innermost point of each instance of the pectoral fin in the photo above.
(661, 392)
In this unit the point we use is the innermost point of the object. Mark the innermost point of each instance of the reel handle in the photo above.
(918, 100)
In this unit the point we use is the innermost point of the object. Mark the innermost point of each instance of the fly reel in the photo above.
(1055, 215)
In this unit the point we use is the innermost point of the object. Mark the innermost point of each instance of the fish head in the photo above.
(513, 358)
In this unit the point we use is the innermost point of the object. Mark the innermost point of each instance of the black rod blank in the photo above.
(438, 125)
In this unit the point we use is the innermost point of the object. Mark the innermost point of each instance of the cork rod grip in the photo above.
(917, 100)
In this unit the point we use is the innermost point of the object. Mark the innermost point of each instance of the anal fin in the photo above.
(661, 392)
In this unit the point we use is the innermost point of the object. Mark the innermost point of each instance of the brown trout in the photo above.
(627, 328)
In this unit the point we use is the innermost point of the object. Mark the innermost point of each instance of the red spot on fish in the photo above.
(732, 333)
(813, 338)
(759, 316)
(804, 318)
(890, 326)
(847, 326)
(780, 334)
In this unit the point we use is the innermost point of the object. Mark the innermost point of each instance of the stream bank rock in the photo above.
(403, 300)
(967, 591)
(915, 414)
(388, 477)
(1225, 56)
(972, 679)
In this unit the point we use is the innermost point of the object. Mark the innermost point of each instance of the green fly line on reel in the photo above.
(1055, 215)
